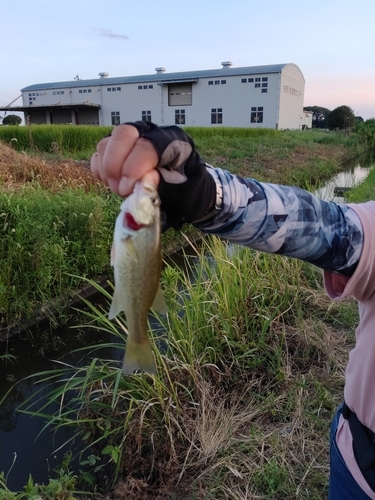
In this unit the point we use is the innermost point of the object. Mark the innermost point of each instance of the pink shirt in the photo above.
(359, 389)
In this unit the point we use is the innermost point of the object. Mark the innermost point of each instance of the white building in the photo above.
(268, 96)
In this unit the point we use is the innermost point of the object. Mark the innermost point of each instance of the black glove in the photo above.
(187, 191)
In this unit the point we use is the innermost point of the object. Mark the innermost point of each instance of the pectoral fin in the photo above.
(159, 304)
(130, 248)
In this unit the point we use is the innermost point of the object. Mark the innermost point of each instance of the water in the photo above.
(355, 171)
(25, 448)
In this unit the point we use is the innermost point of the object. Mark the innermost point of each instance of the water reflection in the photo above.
(355, 171)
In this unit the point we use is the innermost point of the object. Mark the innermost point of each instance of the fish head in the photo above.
(141, 208)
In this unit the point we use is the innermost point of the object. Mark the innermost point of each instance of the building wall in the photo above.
(292, 87)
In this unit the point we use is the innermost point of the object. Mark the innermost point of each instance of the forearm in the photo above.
(287, 221)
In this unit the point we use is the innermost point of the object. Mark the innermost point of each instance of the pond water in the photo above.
(25, 448)
(353, 173)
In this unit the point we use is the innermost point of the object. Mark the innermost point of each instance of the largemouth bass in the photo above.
(136, 259)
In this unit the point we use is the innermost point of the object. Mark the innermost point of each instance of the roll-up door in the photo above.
(180, 94)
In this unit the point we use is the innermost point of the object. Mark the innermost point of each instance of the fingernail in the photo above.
(113, 185)
(124, 186)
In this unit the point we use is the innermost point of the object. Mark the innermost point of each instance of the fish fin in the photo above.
(116, 305)
(159, 304)
(138, 357)
(130, 248)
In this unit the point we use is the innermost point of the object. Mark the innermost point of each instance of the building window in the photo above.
(264, 84)
(257, 85)
(223, 82)
(217, 115)
(250, 80)
(264, 91)
(265, 79)
(146, 116)
(115, 117)
(243, 80)
(118, 89)
(256, 115)
(150, 86)
(139, 87)
(217, 82)
(257, 79)
(179, 117)
(210, 82)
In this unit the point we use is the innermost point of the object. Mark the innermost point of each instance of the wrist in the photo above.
(217, 204)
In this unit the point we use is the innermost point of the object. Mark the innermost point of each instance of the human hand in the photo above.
(123, 158)
(141, 149)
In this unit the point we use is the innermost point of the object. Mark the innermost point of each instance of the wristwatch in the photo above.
(219, 198)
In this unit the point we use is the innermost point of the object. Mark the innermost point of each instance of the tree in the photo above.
(320, 115)
(342, 118)
(12, 120)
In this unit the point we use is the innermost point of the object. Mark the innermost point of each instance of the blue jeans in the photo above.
(342, 485)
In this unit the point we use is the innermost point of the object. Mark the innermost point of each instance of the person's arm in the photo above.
(286, 220)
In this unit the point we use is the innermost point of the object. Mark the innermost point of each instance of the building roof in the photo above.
(161, 77)
(39, 107)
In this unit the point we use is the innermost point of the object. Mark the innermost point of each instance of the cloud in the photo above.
(110, 34)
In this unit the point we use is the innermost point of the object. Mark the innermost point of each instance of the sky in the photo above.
(331, 41)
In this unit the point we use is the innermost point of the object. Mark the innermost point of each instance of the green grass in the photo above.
(364, 191)
(45, 239)
(58, 140)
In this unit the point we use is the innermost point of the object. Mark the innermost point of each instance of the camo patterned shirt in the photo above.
(288, 221)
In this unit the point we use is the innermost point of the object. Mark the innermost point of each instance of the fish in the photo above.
(136, 258)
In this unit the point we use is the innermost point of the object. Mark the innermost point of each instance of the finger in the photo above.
(142, 159)
(116, 150)
(152, 177)
(97, 158)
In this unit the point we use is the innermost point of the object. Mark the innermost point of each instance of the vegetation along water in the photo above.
(252, 357)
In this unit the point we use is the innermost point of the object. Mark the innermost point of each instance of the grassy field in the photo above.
(253, 358)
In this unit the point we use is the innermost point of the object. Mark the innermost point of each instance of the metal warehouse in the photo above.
(269, 96)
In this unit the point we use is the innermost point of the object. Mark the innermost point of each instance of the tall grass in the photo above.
(80, 141)
(246, 385)
(45, 239)
(55, 139)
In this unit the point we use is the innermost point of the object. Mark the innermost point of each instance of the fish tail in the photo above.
(139, 356)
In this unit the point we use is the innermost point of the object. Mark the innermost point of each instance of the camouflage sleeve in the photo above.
(288, 221)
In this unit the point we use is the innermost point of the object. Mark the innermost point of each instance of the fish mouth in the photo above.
(130, 222)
